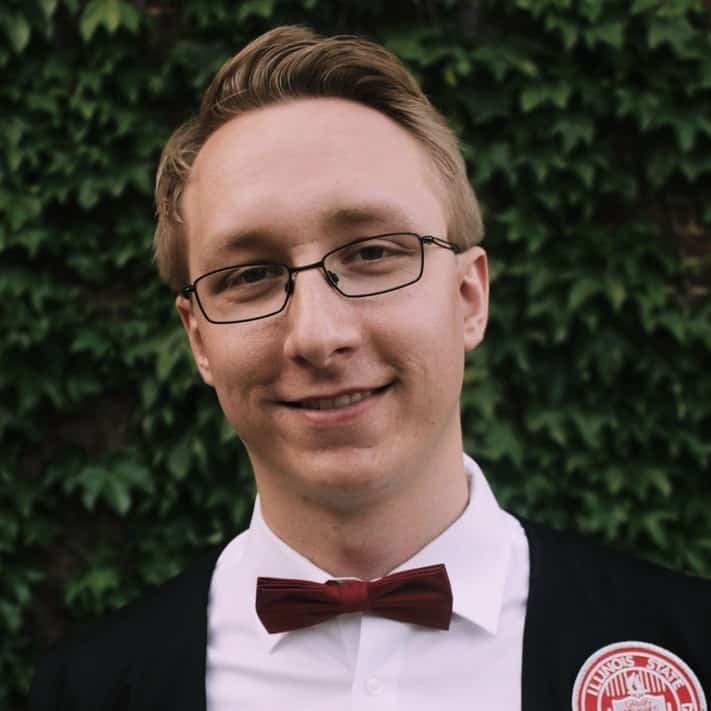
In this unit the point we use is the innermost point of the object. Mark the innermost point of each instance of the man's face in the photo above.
(288, 183)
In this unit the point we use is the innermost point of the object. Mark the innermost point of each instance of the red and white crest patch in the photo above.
(636, 676)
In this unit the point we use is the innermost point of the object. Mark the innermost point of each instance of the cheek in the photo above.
(428, 345)
(239, 365)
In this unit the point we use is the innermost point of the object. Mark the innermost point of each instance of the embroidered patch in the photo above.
(636, 676)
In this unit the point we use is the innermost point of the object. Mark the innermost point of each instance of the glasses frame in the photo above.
(190, 289)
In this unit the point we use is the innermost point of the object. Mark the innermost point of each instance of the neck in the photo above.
(382, 531)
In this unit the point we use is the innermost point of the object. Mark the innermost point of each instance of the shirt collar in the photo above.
(476, 550)
(268, 556)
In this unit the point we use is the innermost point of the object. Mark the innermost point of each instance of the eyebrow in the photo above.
(366, 214)
(345, 217)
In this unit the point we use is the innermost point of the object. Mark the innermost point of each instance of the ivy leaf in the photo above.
(611, 33)
(574, 130)
(502, 443)
(591, 9)
(655, 524)
(616, 292)
(500, 61)
(94, 583)
(88, 194)
(91, 18)
(172, 350)
(532, 97)
(91, 480)
(10, 616)
(48, 7)
(180, 459)
(110, 14)
(570, 31)
(586, 173)
(675, 33)
(589, 427)
(112, 482)
(685, 135)
(17, 30)
(581, 291)
(659, 478)
(557, 94)
(640, 6)
(257, 8)
(550, 421)
(130, 16)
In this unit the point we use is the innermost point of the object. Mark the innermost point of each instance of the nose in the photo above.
(322, 325)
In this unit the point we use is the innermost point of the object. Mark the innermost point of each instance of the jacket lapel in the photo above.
(537, 691)
(180, 672)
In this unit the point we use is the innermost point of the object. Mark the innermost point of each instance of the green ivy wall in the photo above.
(586, 125)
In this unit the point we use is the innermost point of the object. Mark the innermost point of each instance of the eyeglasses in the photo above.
(364, 267)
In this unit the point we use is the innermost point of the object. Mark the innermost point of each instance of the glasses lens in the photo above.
(376, 264)
(243, 293)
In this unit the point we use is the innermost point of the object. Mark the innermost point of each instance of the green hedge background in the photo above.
(586, 125)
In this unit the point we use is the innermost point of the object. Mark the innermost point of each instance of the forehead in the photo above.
(299, 171)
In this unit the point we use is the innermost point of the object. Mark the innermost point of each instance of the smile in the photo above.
(337, 402)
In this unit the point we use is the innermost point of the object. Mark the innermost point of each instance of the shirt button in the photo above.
(374, 686)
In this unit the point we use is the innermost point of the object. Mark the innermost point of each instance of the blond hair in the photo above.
(294, 62)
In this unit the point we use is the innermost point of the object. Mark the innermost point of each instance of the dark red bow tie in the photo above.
(422, 596)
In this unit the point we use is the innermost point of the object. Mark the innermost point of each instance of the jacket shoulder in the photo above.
(584, 596)
(161, 634)
(593, 570)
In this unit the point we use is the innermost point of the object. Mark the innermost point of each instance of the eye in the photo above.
(244, 278)
(253, 275)
(376, 251)
(371, 252)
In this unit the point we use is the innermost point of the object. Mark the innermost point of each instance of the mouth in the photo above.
(338, 401)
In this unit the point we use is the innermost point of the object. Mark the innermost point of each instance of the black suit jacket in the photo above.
(151, 654)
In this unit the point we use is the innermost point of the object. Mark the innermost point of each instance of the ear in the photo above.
(474, 295)
(191, 323)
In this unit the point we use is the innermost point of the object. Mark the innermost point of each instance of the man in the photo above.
(318, 226)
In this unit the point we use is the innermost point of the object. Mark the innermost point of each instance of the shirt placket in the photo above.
(378, 665)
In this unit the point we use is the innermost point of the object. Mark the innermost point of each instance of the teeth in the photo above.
(334, 402)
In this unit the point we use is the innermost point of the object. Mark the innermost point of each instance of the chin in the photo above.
(344, 484)
(344, 498)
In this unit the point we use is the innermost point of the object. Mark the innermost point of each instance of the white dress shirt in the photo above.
(360, 661)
